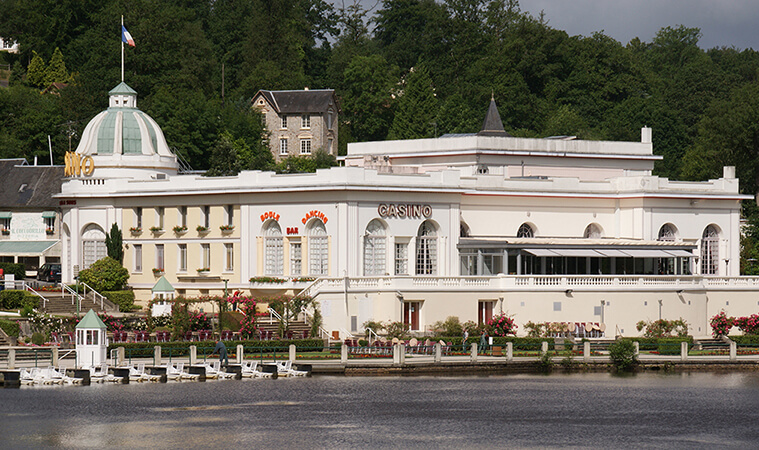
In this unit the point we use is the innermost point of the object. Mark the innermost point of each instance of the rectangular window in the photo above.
(5, 223)
(50, 225)
(283, 146)
(159, 260)
(329, 146)
(205, 256)
(182, 258)
(229, 253)
(207, 216)
(137, 257)
(230, 215)
(138, 217)
(296, 259)
(305, 146)
(305, 121)
(401, 258)
(159, 217)
(182, 216)
(468, 258)
(273, 256)
(284, 122)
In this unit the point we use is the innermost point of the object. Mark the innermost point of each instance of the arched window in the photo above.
(426, 249)
(273, 251)
(318, 253)
(593, 231)
(375, 249)
(667, 233)
(93, 245)
(525, 231)
(710, 251)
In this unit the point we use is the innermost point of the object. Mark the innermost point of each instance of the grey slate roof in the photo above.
(29, 187)
(493, 126)
(297, 102)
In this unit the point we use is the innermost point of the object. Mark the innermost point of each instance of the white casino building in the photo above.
(545, 230)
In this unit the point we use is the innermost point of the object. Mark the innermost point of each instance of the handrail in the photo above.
(30, 289)
(95, 294)
(371, 332)
(74, 295)
(322, 332)
(274, 313)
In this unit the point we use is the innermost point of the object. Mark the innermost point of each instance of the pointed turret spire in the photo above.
(493, 126)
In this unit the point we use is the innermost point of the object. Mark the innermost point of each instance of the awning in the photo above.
(25, 247)
(579, 252)
(540, 252)
(5, 214)
(48, 214)
(613, 253)
(652, 253)
(681, 253)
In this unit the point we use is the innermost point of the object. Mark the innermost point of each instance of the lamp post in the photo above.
(660, 303)
(226, 297)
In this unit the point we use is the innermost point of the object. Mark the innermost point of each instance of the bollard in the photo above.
(402, 357)
(733, 351)
(157, 355)
(54, 358)
(344, 353)
(473, 358)
(396, 354)
(292, 352)
(11, 358)
(636, 344)
(121, 357)
(438, 352)
(544, 347)
(509, 351)
(586, 351)
(194, 356)
(240, 350)
(683, 351)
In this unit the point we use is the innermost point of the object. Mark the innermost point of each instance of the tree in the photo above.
(56, 70)
(226, 159)
(367, 98)
(35, 73)
(114, 244)
(106, 274)
(417, 107)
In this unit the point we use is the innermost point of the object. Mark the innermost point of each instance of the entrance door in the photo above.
(485, 312)
(411, 315)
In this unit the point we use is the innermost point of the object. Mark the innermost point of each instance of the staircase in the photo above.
(58, 304)
(297, 327)
(710, 344)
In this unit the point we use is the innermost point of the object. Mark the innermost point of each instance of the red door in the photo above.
(485, 314)
(411, 315)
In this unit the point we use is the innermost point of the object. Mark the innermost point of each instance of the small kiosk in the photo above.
(163, 292)
(91, 341)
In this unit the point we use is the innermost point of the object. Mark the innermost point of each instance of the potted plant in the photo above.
(135, 230)
(49, 231)
(203, 270)
(202, 229)
(156, 229)
(6, 231)
(157, 271)
(179, 229)
(227, 228)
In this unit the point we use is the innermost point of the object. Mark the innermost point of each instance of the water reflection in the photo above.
(522, 411)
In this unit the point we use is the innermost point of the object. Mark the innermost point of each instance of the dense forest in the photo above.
(407, 69)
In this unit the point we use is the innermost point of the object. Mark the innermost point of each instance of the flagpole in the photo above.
(122, 48)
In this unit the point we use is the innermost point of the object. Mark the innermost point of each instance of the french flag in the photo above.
(126, 37)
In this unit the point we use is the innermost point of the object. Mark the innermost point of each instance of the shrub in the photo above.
(12, 299)
(124, 299)
(669, 346)
(38, 338)
(502, 325)
(105, 275)
(545, 363)
(373, 325)
(748, 324)
(535, 330)
(450, 327)
(397, 330)
(10, 327)
(19, 270)
(663, 328)
(622, 354)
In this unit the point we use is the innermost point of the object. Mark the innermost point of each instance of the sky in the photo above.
(728, 23)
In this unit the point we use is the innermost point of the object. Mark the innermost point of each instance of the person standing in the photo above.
(222, 350)
(463, 341)
(484, 341)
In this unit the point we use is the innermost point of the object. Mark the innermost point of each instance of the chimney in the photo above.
(728, 172)
(645, 135)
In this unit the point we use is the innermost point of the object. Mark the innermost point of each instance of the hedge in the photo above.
(124, 299)
(665, 346)
(16, 299)
(746, 339)
(519, 343)
(10, 327)
(19, 270)
(181, 348)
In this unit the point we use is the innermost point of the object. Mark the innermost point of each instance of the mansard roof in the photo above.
(26, 186)
(298, 102)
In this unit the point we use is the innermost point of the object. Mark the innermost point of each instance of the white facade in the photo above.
(467, 226)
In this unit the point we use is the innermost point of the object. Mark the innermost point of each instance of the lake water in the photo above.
(697, 410)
